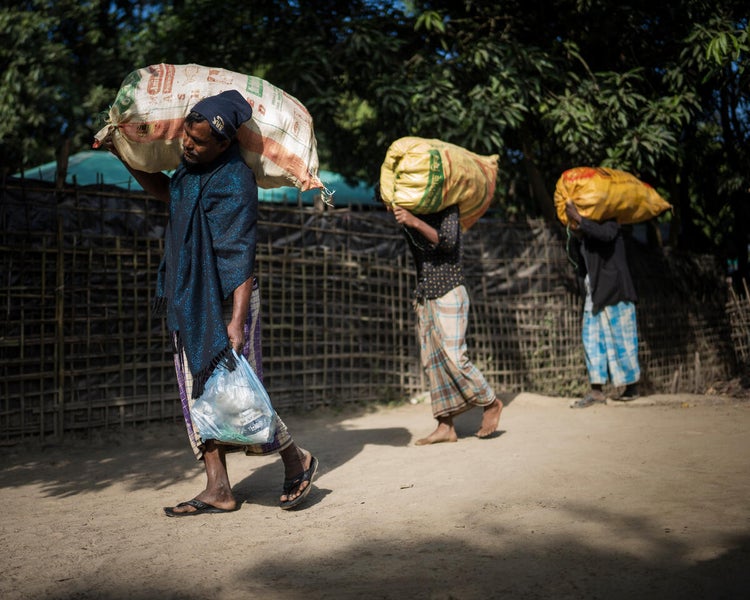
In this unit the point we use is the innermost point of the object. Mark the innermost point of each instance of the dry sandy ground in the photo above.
(646, 500)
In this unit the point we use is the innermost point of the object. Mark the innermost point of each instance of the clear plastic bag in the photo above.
(234, 407)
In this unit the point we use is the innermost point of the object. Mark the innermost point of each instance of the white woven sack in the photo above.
(146, 121)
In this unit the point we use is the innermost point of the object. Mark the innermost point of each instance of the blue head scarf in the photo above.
(225, 112)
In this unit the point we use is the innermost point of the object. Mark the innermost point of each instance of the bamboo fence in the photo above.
(80, 350)
(738, 309)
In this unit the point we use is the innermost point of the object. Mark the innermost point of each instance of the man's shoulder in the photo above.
(235, 162)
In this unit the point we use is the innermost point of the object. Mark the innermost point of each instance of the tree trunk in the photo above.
(63, 153)
(539, 191)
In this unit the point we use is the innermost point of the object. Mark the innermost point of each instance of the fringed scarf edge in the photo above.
(159, 306)
(200, 378)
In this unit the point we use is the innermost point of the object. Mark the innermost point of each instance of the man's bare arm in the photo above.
(405, 217)
(156, 184)
(240, 308)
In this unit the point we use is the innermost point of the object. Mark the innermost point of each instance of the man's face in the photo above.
(199, 146)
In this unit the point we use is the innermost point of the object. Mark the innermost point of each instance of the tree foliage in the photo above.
(657, 89)
(61, 60)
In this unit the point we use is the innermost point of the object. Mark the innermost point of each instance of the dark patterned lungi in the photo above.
(455, 383)
(252, 351)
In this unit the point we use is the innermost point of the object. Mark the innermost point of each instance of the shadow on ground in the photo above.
(159, 456)
(441, 567)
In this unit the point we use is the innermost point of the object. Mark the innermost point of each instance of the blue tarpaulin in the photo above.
(98, 167)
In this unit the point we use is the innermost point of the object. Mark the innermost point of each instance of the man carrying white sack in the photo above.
(207, 287)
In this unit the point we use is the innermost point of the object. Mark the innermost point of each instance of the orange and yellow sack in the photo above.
(601, 194)
(426, 176)
(146, 120)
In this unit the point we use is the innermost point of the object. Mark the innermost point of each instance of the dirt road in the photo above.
(645, 500)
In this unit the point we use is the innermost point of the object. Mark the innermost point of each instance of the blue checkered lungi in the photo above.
(610, 343)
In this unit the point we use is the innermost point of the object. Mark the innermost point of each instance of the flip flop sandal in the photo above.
(586, 401)
(201, 508)
(292, 484)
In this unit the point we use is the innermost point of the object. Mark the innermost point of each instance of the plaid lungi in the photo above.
(252, 351)
(610, 344)
(455, 383)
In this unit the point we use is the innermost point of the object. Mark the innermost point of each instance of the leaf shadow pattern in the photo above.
(158, 456)
(333, 445)
(480, 560)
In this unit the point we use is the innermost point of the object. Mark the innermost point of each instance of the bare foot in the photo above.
(490, 419)
(444, 432)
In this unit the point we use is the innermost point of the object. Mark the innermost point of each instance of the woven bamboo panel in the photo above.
(80, 351)
(738, 310)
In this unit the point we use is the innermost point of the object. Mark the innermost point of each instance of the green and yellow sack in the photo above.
(428, 175)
